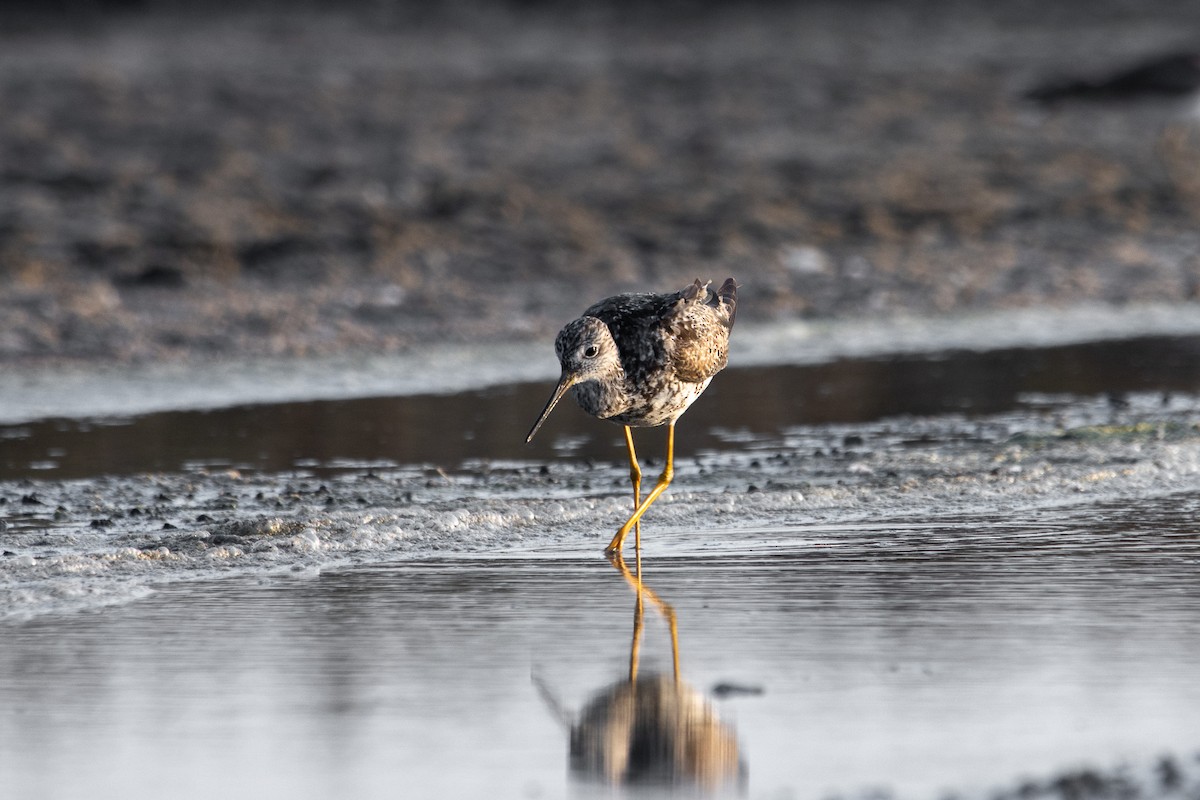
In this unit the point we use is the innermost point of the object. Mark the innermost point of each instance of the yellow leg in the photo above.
(664, 480)
(635, 476)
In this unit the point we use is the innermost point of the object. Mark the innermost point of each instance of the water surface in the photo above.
(921, 656)
(449, 430)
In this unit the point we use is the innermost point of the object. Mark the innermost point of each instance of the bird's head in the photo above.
(586, 351)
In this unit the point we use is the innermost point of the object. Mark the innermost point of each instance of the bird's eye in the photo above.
(591, 351)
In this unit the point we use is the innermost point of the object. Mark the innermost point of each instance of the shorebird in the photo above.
(640, 360)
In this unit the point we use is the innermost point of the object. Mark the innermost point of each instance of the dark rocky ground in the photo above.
(282, 181)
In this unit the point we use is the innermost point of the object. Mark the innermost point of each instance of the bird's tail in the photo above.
(727, 297)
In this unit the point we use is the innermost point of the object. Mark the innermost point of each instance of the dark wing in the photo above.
(688, 329)
(635, 321)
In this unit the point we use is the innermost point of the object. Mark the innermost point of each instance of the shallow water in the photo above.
(476, 426)
(933, 585)
(947, 654)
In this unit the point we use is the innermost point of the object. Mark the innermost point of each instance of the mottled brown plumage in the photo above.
(640, 360)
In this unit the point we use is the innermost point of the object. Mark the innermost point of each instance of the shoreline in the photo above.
(74, 390)
(73, 544)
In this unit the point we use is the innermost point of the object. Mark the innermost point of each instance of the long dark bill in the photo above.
(564, 383)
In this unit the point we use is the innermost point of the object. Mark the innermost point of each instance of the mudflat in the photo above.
(187, 185)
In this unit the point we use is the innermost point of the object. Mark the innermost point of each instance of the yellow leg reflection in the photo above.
(634, 579)
(664, 480)
(653, 729)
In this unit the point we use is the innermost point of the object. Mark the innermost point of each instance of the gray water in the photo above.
(389, 630)
(962, 654)
(450, 430)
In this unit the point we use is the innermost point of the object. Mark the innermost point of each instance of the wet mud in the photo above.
(71, 541)
(300, 182)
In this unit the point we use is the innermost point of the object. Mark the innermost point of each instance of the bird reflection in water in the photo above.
(653, 730)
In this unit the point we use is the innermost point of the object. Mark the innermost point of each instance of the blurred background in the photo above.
(317, 178)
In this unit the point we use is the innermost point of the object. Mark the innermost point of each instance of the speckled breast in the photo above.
(664, 405)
